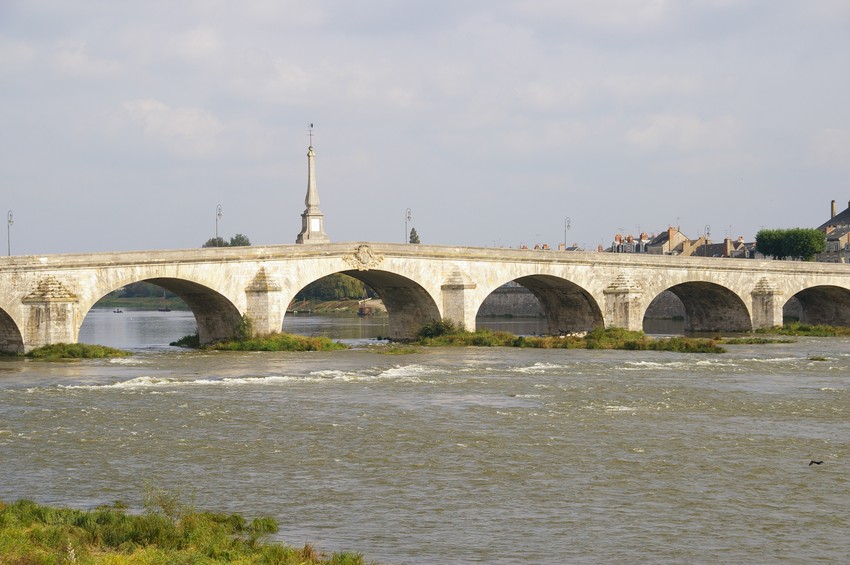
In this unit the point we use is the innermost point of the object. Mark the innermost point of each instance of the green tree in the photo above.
(335, 287)
(797, 243)
(143, 289)
(216, 242)
(805, 243)
(239, 240)
(769, 243)
(414, 237)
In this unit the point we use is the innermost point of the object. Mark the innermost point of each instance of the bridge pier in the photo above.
(767, 305)
(51, 314)
(264, 306)
(458, 301)
(622, 304)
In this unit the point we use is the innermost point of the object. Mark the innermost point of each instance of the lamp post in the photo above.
(9, 222)
(705, 243)
(407, 216)
(217, 218)
(566, 228)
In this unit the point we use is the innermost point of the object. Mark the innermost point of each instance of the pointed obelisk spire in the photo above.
(312, 220)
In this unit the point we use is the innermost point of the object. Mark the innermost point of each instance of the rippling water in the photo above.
(459, 455)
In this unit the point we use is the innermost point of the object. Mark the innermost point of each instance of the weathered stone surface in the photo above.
(45, 298)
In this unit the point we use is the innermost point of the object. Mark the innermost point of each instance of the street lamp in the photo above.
(566, 228)
(407, 216)
(9, 223)
(705, 243)
(217, 218)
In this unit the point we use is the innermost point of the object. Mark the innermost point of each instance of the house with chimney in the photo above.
(837, 232)
(629, 244)
(669, 242)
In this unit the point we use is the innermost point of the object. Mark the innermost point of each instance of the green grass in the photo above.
(753, 340)
(395, 349)
(141, 303)
(270, 342)
(798, 329)
(56, 351)
(171, 533)
(448, 333)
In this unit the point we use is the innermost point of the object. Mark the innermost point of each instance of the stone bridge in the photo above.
(44, 299)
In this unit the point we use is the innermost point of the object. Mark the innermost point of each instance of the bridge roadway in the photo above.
(45, 298)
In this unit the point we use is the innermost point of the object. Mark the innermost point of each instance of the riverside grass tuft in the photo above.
(798, 329)
(34, 534)
(57, 351)
(271, 342)
(448, 333)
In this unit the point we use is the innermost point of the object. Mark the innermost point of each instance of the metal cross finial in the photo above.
(310, 133)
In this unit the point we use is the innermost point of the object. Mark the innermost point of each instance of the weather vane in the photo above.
(310, 133)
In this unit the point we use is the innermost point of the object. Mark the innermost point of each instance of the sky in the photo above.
(123, 125)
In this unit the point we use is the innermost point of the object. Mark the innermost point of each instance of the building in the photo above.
(629, 244)
(837, 231)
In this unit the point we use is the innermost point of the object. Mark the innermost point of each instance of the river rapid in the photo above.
(452, 455)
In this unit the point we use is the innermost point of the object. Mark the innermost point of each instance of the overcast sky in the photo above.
(124, 124)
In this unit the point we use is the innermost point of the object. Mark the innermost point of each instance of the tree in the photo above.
(414, 237)
(769, 243)
(335, 287)
(216, 242)
(239, 240)
(805, 243)
(797, 243)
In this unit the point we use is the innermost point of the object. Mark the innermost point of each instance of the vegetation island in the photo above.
(166, 532)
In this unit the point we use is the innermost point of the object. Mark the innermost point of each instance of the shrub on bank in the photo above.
(278, 342)
(447, 333)
(798, 329)
(31, 533)
(56, 351)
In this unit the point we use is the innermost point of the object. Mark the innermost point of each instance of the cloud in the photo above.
(684, 133)
(185, 132)
(72, 58)
(831, 147)
(197, 43)
(611, 15)
(15, 54)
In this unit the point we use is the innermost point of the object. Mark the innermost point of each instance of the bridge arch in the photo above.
(409, 305)
(824, 304)
(11, 340)
(712, 307)
(567, 306)
(217, 317)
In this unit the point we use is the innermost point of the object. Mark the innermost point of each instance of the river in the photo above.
(452, 455)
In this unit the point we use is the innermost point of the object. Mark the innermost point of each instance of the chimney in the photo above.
(832, 209)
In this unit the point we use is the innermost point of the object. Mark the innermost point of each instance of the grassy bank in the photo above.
(58, 351)
(169, 533)
(798, 329)
(141, 303)
(271, 342)
(446, 333)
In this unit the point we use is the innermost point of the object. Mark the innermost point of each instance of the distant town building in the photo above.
(673, 242)
(837, 232)
(669, 242)
(629, 244)
(737, 249)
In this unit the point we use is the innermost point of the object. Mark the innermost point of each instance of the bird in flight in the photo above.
(813, 462)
